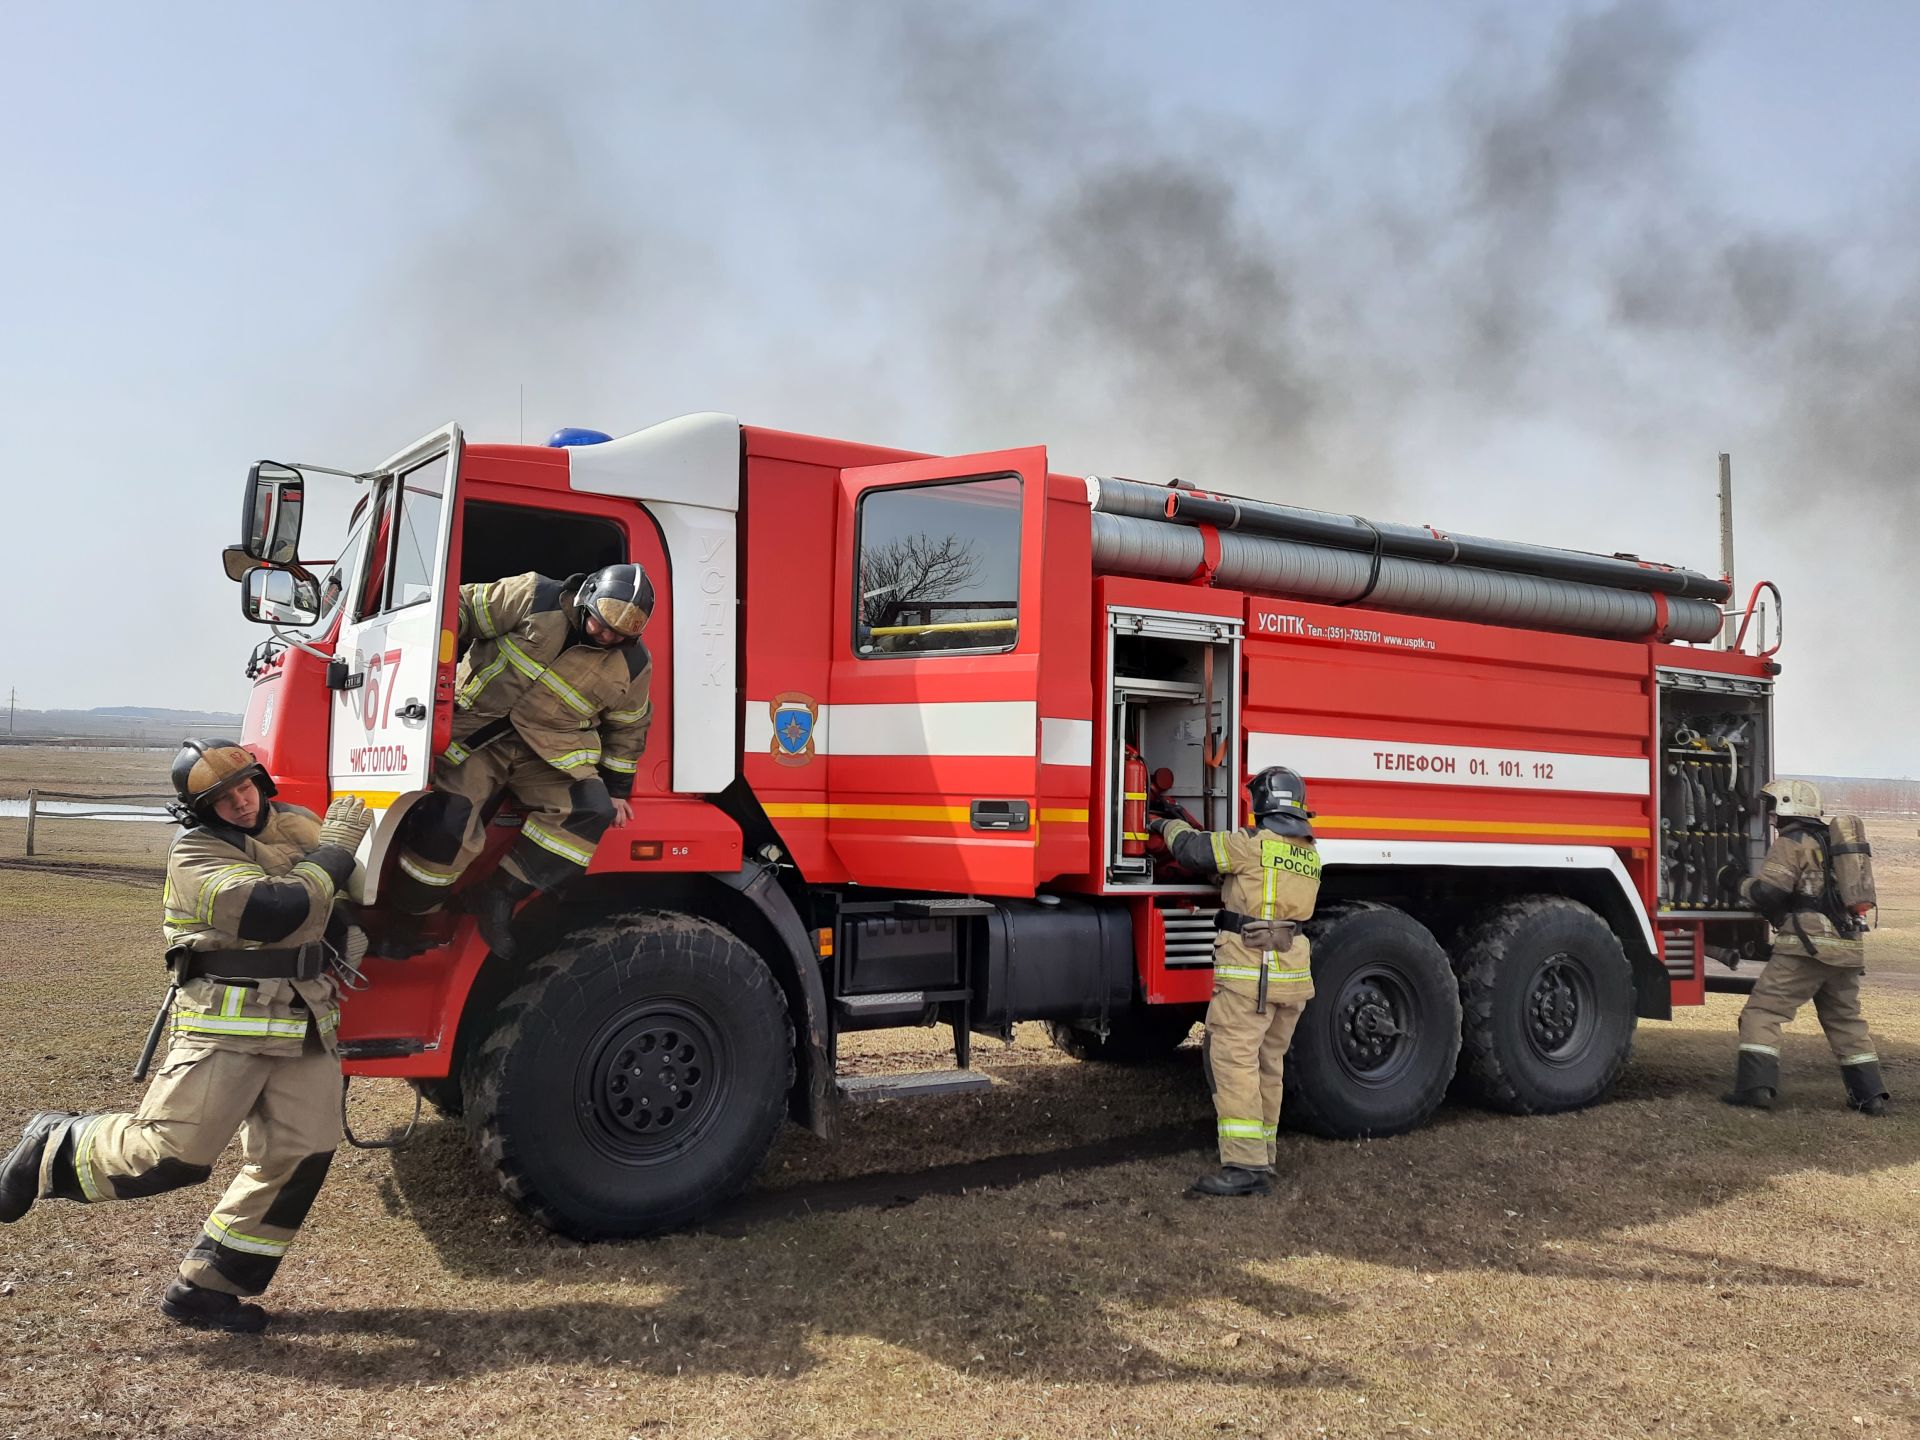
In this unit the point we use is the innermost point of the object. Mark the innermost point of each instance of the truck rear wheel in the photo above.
(1375, 1048)
(635, 1081)
(1139, 1036)
(1548, 999)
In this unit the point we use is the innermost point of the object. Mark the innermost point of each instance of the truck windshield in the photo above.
(336, 584)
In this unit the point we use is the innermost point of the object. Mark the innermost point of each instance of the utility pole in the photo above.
(1726, 543)
(11, 692)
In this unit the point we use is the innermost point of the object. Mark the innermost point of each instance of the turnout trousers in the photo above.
(1788, 982)
(286, 1110)
(1245, 1054)
(447, 831)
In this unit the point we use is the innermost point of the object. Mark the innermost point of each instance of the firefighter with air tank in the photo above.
(1270, 878)
(1819, 950)
(255, 940)
(552, 707)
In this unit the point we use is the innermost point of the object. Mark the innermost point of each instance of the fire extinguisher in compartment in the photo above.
(1133, 808)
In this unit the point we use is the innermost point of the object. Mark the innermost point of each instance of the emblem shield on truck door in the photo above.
(793, 719)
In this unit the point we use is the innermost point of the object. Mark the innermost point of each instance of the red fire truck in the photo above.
(904, 705)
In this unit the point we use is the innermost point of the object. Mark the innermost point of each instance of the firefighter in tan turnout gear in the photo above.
(1261, 975)
(252, 937)
(1819, 954)
(552, 708)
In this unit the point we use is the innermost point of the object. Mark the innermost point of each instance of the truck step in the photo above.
(890, 1002)
(943, 907)
(393, 1048)
(914, 1085)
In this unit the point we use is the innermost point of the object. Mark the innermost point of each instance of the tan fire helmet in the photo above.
(620, 597)
(204, 770)
(1793, 798)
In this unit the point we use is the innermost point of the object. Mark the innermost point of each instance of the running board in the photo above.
(914, 1085)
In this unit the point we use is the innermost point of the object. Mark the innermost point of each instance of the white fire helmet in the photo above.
(1793, 798)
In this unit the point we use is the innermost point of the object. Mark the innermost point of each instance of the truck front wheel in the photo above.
(635, 1081)
(1549, 1007)
(1375, 1047)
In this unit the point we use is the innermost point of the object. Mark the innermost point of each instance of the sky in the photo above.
(1520, 271)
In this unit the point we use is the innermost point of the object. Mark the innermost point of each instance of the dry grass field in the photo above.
(1659, 1265)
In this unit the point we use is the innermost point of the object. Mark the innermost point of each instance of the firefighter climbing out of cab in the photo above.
(551, 708)
(254, 939)
(1270, 878)
(1819, 954)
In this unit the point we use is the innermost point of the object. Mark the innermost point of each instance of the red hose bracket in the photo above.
(1209, 565)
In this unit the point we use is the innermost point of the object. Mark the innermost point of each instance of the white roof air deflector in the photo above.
(687, 473)
(691, 460)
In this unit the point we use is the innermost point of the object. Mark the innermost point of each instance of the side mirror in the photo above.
(270, 522)
(279, 597)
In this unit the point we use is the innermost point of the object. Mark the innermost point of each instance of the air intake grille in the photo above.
(1189, 937)
(1677, 951)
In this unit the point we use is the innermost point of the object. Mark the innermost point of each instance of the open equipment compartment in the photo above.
(1716, 751)
(1173, 699)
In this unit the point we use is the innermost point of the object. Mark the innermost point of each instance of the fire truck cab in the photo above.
(901, 703)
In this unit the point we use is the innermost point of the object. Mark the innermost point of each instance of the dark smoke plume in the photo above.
(1538, 247)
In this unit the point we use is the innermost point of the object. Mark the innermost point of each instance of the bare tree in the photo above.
(913, 571)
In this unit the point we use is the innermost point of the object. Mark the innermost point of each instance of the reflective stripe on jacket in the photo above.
(581, 707)
(227, 890)
(1267, 876)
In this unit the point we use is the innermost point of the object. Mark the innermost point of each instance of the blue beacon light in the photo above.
(575, 435)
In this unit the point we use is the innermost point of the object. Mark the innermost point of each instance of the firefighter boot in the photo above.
(1235, 1180)
(205, 1309)
(20, 1172)
(1756, 1081)
(492, 904)
(1866, 1091)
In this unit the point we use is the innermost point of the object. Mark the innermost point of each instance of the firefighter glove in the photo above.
(1157, 823)
(346, 823)
(1729, 880)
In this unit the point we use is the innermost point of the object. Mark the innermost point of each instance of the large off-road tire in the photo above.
(1548, 1000)
(1140, 1036)
(1375, 1048)
(635, 1081)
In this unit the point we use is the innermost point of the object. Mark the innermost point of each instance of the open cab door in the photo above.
(931, 730)
(392, 677)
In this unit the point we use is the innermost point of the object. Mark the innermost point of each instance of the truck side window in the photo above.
(400, 560)
(938, 569)
(416, 535)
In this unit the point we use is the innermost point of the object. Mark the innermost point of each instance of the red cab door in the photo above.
(930, 732)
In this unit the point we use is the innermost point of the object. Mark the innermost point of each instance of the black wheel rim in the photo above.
(1561, 1012)
(1376, 1023)
(652, 1081)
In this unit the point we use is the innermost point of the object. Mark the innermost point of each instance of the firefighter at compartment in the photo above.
(1270, 876)
(551, 708)
(254, 938)
(1819, 954)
